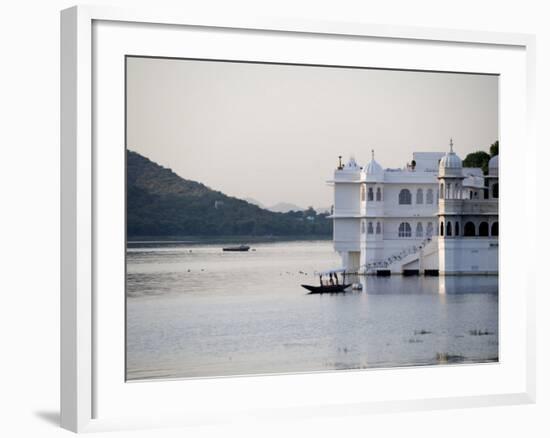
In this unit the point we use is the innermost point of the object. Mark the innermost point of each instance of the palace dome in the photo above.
(351, 164)
(373, 168)
(450, 164)
(373, 171)
(450, 161)
(493, 165)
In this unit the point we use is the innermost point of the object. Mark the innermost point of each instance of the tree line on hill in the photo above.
(161, 203)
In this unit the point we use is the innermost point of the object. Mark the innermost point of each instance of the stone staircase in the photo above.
(408, 255)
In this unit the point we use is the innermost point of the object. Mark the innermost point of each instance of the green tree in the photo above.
(493, 150)
(477, 159)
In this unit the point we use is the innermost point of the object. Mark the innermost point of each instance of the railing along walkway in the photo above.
(370, 268)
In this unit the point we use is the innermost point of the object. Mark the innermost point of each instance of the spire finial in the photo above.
(372, 153)
(451, 143)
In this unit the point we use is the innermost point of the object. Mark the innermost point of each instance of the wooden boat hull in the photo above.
(337, 288)
(242, 248)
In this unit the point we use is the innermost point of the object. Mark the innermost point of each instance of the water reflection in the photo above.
(196, 311)
(421, 285)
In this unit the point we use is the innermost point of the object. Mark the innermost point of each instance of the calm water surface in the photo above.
(193, 310)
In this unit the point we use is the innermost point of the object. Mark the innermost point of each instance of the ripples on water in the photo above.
(195, 311)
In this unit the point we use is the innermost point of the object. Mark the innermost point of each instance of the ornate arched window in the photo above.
(442, 229)
(449, 229)
(363, 190)
(430, 229)
(370, 196)
(378, 194)
(495, 190)
(369, 228)
(419, 229)
(404, 229)
(457, 229)
(494, 229)
(483, 229)
(405, 197)
(420, 196)
(378, 228)
(469, 229)
(430, 196)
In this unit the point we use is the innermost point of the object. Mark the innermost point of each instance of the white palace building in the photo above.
(431, 217)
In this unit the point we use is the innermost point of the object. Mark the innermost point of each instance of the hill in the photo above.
(161, 203)
(284, 207)
(254, 202)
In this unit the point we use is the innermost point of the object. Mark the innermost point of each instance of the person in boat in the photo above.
(336, 279)
(331, 281)
(321, 279)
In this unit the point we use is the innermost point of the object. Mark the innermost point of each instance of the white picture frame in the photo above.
(86, 376)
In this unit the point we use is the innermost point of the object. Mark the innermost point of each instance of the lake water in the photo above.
(195, 311)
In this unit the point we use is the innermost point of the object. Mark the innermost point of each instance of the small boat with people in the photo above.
(240, 248)
(329, 283)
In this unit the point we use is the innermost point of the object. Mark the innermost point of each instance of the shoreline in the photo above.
(190, 240)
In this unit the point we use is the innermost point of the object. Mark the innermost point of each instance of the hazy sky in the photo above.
(274, 132)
